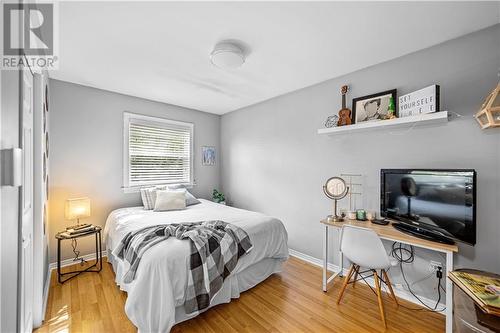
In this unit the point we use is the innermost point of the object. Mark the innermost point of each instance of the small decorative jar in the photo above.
(361, 215)
(371, 215)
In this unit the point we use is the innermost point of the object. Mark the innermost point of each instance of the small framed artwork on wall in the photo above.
(373, 107)
(207, 155)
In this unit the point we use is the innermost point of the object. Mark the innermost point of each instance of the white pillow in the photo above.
(170, 200)
(148, 196)
(190, 199)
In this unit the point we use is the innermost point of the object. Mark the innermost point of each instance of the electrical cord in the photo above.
(409, 252)
(406, 255)
(74, 244)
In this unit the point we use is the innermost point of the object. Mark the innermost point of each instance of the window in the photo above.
(156, 151)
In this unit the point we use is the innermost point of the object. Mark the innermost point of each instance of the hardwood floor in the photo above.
(288, 302)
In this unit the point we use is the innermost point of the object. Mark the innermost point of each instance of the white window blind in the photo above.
(159, 151)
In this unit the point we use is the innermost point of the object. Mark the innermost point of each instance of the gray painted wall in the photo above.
(273, 160)
(86, 139)
(10, 91)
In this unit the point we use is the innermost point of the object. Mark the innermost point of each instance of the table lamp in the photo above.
(77, 208)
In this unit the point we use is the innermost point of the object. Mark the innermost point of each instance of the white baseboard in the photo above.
(401, 293)
(69, 262)
(313, 260)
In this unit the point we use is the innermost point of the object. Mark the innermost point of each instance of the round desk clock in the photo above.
(335, 188)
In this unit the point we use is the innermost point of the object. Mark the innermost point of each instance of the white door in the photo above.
(26, 200)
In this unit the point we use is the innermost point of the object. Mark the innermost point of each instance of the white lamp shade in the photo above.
(77, 208)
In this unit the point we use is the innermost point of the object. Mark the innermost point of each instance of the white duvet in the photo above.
(160, 283)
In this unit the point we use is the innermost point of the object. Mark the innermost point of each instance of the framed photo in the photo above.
(372, 107)
(207, 155)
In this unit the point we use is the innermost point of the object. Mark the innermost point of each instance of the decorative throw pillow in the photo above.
(190, 199)
(170, 200)
(148, 196)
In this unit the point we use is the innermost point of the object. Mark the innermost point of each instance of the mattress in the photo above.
(156, 296)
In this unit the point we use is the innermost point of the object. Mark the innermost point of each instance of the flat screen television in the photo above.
(434, 204)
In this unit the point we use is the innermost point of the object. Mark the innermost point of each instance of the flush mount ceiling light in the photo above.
(227, 55)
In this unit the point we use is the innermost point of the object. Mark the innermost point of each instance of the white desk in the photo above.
(388, 232)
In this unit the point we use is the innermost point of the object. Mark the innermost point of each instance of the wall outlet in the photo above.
(434, 265)
(398, 286)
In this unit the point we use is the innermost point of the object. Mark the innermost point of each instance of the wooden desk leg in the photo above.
(449, 293)
(325, 260)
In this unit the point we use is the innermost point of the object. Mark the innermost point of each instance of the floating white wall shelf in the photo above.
(423, 119)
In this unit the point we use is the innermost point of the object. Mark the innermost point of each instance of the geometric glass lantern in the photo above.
(489, 114)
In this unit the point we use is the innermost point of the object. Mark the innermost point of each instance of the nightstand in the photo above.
(96, 268)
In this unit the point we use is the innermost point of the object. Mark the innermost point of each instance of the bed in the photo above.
(156, 295)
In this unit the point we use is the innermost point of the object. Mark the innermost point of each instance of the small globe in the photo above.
(331, 121)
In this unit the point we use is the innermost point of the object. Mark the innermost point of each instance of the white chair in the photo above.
(364, 248)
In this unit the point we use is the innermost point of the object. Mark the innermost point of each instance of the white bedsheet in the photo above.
(160, 282)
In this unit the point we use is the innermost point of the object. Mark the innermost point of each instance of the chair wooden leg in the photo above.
(356, 272)
(346, 281)
(389, 285)
(379, 296)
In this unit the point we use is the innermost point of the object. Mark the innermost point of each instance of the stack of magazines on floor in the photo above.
(77, 230)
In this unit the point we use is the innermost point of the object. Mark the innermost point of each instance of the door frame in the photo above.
(21, 194)
(39, 198)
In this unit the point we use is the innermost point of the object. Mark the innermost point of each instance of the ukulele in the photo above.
(344, 113)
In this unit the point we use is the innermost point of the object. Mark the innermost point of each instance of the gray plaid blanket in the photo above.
(216, 247)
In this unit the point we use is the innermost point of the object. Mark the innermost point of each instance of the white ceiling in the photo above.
(160, 50)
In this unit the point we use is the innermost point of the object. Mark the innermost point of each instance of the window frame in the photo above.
(128, 118)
